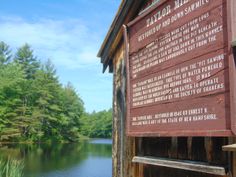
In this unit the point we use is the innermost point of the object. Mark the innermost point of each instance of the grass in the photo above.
(11, 168)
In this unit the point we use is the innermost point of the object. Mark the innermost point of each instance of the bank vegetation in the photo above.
(36, 107)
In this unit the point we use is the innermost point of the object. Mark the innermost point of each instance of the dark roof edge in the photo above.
(114, 30)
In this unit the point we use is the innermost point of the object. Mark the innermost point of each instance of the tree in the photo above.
(5, 53)
(97, 124)
(11, 79)
(73, 109)
(34, 106)
(27, 61)
(25, 57)
(46, 109)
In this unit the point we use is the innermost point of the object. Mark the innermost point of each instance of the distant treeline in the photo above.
(35, 107)
(97, 124)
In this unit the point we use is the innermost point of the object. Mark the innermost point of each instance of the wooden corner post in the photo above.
(231, 6)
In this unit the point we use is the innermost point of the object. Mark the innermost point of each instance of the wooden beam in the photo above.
(189, 146)
(231, 147)
(208, 148)
(231, 13)
(183, 165)
(234, 164)
(174, 148)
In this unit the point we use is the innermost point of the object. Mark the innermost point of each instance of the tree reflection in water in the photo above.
(53, 160)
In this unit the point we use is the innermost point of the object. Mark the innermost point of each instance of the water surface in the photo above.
(84, 159)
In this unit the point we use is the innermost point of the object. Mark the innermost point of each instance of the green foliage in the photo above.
(34, 106)
(11, 168)
(5, 53)
(11, 79)
(97, 124)
(73, 111)
(24, 56)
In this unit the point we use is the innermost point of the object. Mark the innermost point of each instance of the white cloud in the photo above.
(69, 43)
(72, 46)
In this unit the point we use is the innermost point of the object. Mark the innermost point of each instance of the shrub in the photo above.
(11, 168)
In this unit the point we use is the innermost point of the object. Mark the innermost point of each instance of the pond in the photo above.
(85, 159)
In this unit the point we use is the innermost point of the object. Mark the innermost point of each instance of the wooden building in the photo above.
(184, 132)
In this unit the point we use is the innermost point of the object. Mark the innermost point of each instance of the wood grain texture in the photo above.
(183, 165)
(231, 147)
(161, 81)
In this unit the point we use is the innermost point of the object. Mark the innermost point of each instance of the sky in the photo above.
(69, 33)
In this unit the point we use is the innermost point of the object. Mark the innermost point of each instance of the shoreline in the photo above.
(53, 142)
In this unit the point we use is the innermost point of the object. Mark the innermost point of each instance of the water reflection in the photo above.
(84, 159)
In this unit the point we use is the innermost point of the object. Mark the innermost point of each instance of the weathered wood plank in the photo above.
(176, 126)
(234, 164)
(231, 147)
(189, 147)
(184, 165)
(231, 5)
(159, 74)
(174, 148)
(208, 147)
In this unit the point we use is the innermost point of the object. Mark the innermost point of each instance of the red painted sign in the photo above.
(178, 70)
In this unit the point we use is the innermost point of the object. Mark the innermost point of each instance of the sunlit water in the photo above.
(84, 159)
